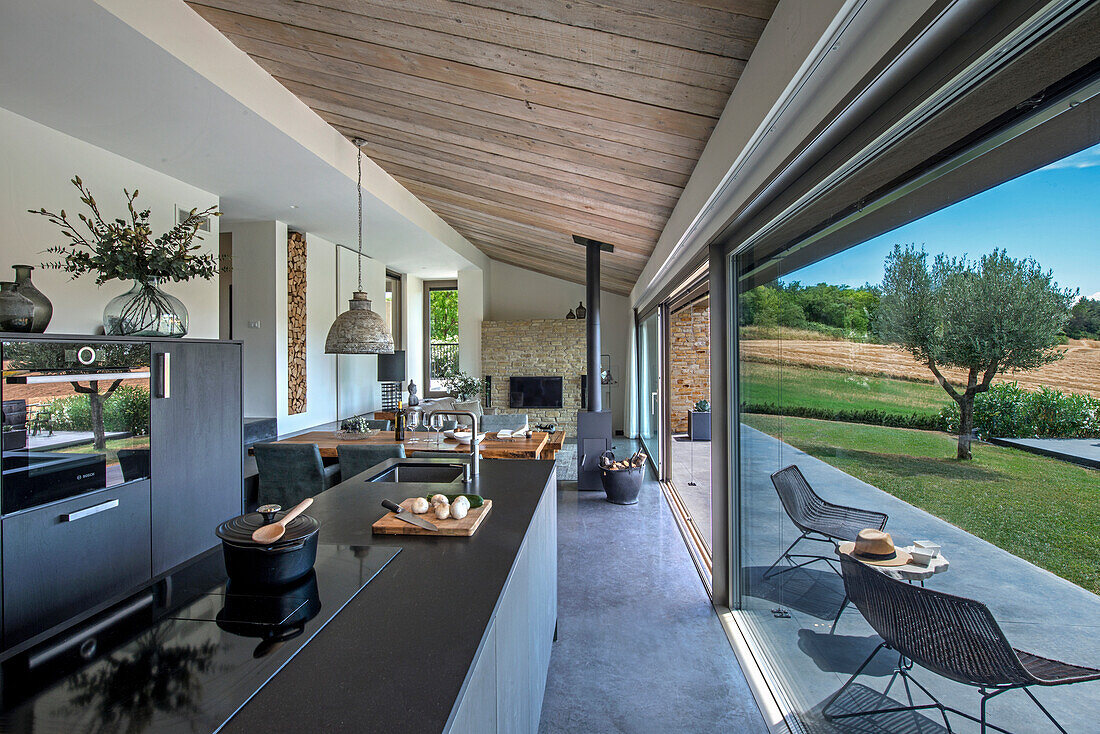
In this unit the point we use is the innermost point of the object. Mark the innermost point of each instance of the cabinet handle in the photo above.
(89, 511)
(164, 375)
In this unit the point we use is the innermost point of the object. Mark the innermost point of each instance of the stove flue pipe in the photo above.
(593, 249)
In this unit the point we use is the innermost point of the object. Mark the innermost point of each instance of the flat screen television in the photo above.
(534, 392)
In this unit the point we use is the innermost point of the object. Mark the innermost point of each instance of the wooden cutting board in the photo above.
(390, 525)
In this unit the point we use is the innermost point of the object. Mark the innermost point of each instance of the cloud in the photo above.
(1088, 158)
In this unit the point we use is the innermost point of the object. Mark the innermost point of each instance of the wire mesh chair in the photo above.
(819, 521)
(953, 636)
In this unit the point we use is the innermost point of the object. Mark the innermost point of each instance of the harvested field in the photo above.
(1078, 371)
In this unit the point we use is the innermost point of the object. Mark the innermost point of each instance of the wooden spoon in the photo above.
(270, 533)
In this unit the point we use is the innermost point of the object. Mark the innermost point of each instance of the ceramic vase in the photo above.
(16, 310)
(43, 309)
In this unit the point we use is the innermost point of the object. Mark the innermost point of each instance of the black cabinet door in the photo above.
(66, 558)
(196, 447)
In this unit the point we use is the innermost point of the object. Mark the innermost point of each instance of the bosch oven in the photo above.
(75, 419)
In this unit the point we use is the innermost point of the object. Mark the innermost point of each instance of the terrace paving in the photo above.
(1038, 611)
(1083, 451)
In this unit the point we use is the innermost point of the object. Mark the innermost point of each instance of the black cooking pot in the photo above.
(274, 564)
(275, 617)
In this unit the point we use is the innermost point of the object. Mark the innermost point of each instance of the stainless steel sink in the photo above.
(419, 472)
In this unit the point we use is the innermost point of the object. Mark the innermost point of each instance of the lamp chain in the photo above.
(359, 191)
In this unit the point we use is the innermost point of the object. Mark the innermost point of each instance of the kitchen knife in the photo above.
(403, 514)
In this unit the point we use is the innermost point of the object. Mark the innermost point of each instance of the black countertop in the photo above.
(395, 658)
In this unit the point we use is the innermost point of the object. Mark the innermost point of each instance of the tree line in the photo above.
(1084, 320)
(811, 307)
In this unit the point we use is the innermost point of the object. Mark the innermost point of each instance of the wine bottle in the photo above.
(399, 423)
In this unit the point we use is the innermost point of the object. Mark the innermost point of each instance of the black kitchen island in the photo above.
(389, 633)
(453, 635)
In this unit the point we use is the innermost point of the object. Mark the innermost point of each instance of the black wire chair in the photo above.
(819, 521)
(953, 636)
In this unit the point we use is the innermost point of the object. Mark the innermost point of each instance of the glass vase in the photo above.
(145, 310)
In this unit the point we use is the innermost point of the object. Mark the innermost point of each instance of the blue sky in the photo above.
(1052, 215)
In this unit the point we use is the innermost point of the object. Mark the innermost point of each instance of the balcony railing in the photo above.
(444, 360)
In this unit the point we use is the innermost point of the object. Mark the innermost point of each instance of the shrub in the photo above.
(1009, 411)
(918, 421)
(126, 410)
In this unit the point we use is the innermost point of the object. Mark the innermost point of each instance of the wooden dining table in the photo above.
(491, 446)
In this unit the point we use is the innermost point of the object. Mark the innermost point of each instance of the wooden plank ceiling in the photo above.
(519, 122)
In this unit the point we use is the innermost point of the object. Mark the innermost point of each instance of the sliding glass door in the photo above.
(649, 387)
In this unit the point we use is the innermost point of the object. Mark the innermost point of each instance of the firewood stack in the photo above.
(607, 461)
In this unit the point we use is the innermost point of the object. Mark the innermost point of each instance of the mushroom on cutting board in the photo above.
(442, 511)
(459, 509)
(420, 506)
(440, 499)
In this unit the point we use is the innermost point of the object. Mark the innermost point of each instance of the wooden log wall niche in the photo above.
(296, 322)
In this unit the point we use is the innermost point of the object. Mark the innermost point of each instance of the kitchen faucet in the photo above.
(475, 444)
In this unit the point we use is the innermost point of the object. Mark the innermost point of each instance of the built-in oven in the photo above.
(78, 413)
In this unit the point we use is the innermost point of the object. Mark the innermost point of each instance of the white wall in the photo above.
(412, 288)
(473, 300)
(36, 165)
(515, 293)
(337, 386)
(357, 374)
(254, 272)
(320, 313)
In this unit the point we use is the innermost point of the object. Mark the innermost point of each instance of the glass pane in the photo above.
(442, 336)
(650, 387)
(839, 368)
(689, 412)
(75, 419)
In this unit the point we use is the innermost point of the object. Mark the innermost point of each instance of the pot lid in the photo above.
(239, 530)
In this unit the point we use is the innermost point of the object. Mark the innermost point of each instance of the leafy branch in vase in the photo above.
(125, 250)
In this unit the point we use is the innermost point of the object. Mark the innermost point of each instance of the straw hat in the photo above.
(876, 548)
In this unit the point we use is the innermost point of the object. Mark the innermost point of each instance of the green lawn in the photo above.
(836, 390)
(113, 445)
(1040, 509)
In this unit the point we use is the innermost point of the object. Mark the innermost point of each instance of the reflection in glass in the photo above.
(126, 692)
(76, 419)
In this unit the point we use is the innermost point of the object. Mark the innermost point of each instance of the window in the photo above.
(440, 334)
(830, 381)
(394, 311)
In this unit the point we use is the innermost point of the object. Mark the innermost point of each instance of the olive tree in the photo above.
(983, 317)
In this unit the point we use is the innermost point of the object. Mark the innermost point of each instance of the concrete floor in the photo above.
(691, 464)
(639, 647)
(1038, 611)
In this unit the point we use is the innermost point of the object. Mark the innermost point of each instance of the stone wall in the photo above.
(536, 347)
(689, 360)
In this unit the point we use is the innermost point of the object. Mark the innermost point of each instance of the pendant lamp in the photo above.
(359, 330)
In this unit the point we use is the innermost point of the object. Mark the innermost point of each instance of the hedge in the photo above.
(919, 421)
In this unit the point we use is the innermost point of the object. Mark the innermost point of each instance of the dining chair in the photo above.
(356, 459)
(134, 464)
(290, 472)
(952, 636)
